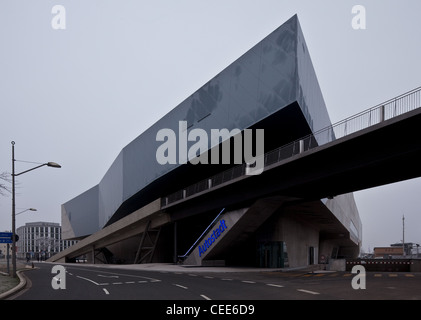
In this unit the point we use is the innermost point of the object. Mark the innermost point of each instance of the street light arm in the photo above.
(30, 209)
(18, 174)
(49, 164)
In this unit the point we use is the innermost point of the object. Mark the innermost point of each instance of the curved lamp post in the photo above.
(49, 164)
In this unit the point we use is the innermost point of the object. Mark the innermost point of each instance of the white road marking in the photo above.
(308, 291)
(208, 277)
(122, 274)
(246, 281)
(275, 285)
(226, 279)
(106, 291)
(180, 286)
(101, 275)
(205, 297)
(96, 283)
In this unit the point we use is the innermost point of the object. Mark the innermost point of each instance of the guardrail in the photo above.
(387, 110)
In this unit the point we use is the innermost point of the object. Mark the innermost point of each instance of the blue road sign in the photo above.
(6, 234)
(6, 237)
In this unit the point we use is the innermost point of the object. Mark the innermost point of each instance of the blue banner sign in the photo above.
(6, 237)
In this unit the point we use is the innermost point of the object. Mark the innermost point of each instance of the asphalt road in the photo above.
(83, 282)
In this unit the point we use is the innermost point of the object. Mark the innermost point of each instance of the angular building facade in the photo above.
(273, 87)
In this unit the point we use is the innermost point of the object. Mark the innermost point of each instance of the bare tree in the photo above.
(5, 180)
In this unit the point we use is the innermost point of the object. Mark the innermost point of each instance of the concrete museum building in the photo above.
(153, 205)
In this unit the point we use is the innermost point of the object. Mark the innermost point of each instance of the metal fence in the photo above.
(363, 120)
(381, 265)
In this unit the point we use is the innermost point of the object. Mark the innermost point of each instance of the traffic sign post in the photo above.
(7, 237)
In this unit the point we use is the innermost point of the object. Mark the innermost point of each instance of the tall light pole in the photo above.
(49, 164)
(403, 234)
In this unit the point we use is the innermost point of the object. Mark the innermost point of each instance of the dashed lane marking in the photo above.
(275, 285)
(247, 281)
(180, 286)
(308, 291)
(106, 291)
(205, 297)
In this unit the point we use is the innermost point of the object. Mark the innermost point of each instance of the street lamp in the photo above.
(30, 209)
(49, 164)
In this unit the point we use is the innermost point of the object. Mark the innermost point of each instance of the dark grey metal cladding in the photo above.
(309, 94)
(269, 77)
(111, 191)
(80, 215)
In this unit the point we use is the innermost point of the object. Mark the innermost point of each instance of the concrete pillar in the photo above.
(301, 146)
(175, 243)
(382, 113)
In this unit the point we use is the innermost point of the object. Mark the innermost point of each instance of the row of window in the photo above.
(49, 247)
(42, 238)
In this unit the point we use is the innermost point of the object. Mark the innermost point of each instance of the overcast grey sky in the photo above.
(77, 96)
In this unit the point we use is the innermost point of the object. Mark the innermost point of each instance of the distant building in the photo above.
(410, 247)
(40, 240)
(385, 252)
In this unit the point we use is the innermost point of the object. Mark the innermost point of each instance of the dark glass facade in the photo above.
(272, 85)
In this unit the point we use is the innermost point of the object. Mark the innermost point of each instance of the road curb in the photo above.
(19, 287)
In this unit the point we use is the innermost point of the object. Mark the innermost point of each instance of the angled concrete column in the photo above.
(233, 228)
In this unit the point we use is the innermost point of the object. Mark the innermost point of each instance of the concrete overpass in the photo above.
(376, 147)
(373, 148)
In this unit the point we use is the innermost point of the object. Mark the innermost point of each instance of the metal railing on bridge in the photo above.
(387, 110)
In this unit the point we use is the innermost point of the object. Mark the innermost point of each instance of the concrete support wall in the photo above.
(298, 236)
(228, 221)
